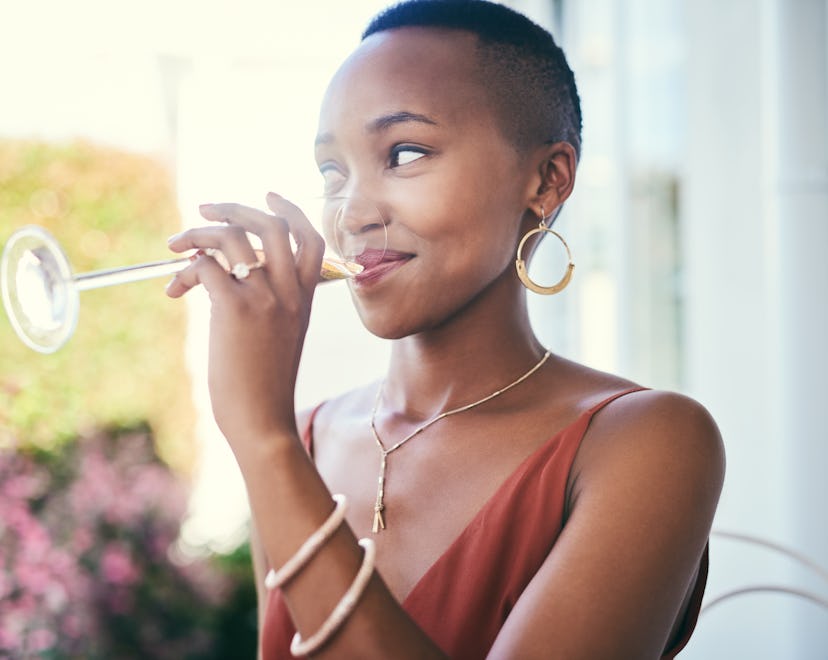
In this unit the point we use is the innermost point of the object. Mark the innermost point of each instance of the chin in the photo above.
(385, 328)
(388, 322)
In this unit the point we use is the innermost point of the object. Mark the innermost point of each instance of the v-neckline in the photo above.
(521, 468)
(504, 486)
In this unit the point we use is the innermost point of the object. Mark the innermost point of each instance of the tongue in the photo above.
(371, 258)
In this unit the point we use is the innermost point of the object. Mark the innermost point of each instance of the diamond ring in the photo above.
(241, 271)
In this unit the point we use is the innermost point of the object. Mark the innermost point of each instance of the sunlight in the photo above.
(227, 93)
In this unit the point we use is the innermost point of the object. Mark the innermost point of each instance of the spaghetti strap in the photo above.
(617, 395)
(307, 432)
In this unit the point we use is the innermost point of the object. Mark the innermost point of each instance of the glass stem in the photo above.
(100, 278)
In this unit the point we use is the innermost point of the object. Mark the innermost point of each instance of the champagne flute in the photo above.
(40, 291)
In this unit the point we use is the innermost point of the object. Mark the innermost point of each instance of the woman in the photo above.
(515, 504)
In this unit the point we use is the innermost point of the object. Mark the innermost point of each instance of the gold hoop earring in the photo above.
(520, 264)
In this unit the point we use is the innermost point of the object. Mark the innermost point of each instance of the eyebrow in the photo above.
(386, 121)
(383, 123)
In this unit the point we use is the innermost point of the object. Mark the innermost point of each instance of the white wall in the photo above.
(748, 142)
(757, 229)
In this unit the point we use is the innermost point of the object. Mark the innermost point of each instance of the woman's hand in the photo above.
(257, 324)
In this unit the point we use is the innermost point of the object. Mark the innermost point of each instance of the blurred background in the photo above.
(699, 226)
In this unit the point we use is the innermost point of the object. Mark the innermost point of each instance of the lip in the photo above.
(379, 263)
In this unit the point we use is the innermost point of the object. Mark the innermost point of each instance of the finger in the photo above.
(310, 246)
(231, 241)
(274, 234)
(204, 270)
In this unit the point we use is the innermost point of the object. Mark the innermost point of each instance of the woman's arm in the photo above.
(257, 552)
(288, 510)
(643, 492)
(257, 329)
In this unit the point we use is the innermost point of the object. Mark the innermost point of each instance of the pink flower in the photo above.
(16, 615)
(117, 566)
(82, 540)
(72, 626)
(75, 535)
(41, 640)
(36, 542)
(35, 578)
(6, 583)
(9, 638)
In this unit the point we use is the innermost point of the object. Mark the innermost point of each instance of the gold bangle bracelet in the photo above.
(275, 579)
(344, 608)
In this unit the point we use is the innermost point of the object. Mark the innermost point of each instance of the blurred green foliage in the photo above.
(125, 363)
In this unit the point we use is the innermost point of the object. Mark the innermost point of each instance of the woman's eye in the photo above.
(332, 176)
(405, 155)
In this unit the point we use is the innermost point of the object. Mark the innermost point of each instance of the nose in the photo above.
(357, 224)
(357, 215)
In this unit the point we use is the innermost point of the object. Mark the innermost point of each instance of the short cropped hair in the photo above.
(525, 72)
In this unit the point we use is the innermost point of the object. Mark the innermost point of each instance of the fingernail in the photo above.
(273, 194)
(201, 207)
(174, 237)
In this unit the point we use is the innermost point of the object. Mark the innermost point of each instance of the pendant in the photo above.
(379, 519)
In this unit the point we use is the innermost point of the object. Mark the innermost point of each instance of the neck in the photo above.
(481, 349)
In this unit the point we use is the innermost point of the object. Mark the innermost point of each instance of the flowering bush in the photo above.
(88, 566)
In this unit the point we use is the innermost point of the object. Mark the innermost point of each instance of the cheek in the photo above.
(448, 210)
(465, 216)
(481, 227)
(469, 257)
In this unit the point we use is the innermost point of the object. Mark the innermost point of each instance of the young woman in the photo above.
(498, 501)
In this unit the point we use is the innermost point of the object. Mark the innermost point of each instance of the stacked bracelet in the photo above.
(275, 579)
(343, 609)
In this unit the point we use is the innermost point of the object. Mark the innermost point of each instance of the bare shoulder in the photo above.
(653, 441)
(647, 406)
(641, 499)
(341, 411)
(657, 421)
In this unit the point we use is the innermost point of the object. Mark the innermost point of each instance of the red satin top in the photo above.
(464, 598)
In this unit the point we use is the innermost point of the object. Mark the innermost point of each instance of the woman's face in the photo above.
(406, 124)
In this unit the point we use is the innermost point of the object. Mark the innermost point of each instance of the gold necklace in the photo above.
(379, 519)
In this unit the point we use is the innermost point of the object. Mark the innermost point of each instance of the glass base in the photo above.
(39, 295)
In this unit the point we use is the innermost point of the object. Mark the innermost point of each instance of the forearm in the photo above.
(289, 502)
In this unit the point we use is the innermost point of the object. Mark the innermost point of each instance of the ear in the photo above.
(554, 178)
